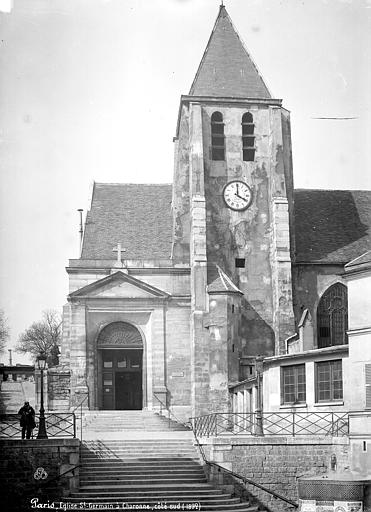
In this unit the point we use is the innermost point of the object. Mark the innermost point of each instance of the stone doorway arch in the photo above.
(121, 374)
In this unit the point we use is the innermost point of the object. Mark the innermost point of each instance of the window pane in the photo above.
(323, 382)
(332, 316)
(293, 384)
(337, 380)
(338, 327)
(329, 381)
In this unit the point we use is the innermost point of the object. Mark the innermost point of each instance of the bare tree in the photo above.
(4, 331)
(42, 337)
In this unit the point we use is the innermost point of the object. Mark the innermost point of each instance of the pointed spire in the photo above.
(226, 68)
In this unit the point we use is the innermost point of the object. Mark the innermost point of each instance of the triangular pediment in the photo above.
(119, 285)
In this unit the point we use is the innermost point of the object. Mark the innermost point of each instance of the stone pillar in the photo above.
(160, 399)
(79, 388)
(283, 316)
(199, 339)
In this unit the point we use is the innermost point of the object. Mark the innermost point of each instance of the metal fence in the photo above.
(272, 423)
(61, 424)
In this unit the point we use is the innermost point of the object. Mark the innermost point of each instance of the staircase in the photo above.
(102, 423)
(146, 465)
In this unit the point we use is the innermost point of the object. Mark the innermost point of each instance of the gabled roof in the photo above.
(137, 216)
(223, 284)
(113, 281)
(226, 68)
(332, 226)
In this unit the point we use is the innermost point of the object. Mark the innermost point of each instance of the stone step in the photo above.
(181, 498)
(195, 486)
(92, 473)
(133, 458)
(159, 492)
(132, 465)
(139, 479)
(137, 442)
(139, 446)
(231, 506)
(119, 454)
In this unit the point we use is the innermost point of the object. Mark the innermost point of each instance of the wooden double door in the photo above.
(122, 371)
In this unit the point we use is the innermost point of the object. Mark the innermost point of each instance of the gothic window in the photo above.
(332, 317)
(329, 381)
(248, 137)
(217, 137)
(293, 384)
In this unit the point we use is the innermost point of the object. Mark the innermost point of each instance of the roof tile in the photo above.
(137, 216)
(226, 68)
(332, 226)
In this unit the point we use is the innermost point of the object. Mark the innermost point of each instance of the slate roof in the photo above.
(223, 284)
(137, 216)
(226, 68)
(332, 226)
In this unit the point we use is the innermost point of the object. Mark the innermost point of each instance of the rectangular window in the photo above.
(240, 262)
(293, 384)
(329, 381)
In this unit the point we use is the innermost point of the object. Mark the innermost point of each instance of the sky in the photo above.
(90, 89)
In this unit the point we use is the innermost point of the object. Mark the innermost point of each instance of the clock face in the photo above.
(237, 195)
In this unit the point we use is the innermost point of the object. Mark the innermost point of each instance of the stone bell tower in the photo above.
(233, 186)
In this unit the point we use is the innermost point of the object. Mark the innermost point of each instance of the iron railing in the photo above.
(273, 424)
(58, 424)
(170, 414)
(79, 406)
(237, 476)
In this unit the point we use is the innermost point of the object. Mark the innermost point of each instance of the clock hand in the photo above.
(240, 197)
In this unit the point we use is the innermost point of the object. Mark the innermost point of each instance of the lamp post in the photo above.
(41, 363)
(259, 413)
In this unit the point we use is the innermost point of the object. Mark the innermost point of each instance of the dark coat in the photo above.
(27, 414)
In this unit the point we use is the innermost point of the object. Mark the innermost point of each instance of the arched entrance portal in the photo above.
(120, 355)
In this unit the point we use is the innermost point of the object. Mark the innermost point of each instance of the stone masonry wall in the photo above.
(20, 460)
(275, 462)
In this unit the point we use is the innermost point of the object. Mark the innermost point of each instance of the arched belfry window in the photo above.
(332, 317)
(248, 137)
(217, 137)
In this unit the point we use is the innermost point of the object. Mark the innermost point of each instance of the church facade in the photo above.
(180, 287)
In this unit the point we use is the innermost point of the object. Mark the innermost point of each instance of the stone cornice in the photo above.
(142, 271)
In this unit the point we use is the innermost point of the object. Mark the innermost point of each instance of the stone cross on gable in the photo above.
(119, 249)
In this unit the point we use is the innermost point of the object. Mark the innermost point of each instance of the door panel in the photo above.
(122, 379)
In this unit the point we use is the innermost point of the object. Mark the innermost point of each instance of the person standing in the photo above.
(27, 420)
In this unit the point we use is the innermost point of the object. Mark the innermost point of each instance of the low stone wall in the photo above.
(275, 462)
(28, 469)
